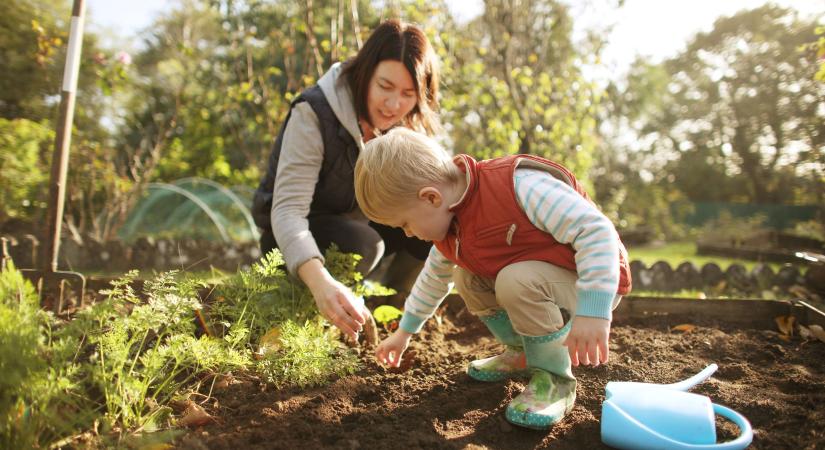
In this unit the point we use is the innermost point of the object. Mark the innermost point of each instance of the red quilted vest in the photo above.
(490, 230)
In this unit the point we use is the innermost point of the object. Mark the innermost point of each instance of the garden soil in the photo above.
(432, 404)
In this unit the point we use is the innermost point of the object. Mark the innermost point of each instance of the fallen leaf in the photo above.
(224, 381)
(785, 324)
(195, 416)
(270, 341)
(818, 332)
(685, 328)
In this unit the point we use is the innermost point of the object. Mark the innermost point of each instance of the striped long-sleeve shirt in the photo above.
(555, 208)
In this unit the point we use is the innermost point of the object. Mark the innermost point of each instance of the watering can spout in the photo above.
(684, 385)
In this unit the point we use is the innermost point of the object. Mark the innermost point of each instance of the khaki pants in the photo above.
(534, 294)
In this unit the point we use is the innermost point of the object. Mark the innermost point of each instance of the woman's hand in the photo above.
(335, 301)
(587, 341)
(390, 350)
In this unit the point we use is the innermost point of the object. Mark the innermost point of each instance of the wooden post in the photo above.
(60, 160)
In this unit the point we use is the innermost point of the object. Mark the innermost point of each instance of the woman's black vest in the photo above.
(334, 192)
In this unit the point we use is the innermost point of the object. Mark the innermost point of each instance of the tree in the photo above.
(21, 170)
(737, 116)
(513, 84)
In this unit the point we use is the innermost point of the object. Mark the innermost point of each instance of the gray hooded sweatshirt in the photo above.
(302, 153)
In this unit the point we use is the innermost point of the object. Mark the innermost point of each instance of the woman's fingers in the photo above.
(353, 308)
(342, 321)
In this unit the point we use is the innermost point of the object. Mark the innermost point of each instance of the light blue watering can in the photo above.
(664, 416)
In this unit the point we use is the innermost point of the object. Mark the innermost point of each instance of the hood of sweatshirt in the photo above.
(336, 89)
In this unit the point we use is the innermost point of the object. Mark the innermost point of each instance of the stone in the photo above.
(687, 276)
(788, 275)
(662, 276)
(738, 278)
(712, 274)
(763, 276)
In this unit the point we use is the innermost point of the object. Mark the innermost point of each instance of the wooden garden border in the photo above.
(745, 313)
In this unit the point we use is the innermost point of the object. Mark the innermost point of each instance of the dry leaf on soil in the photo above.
(785, 324)
(685, 328)
(195, 416)
(270, 343)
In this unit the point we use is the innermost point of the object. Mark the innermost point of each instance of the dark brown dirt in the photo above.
(779, 386)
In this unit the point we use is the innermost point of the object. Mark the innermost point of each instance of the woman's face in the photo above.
(391, 94)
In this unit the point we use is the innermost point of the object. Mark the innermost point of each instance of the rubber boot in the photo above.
(511, 363)
(552, 388)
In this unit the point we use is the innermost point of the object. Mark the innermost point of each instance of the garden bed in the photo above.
(778, 383)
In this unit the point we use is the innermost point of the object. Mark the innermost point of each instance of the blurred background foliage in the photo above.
(736, 117)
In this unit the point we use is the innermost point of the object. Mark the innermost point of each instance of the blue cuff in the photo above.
(595, 304)
(411, 323)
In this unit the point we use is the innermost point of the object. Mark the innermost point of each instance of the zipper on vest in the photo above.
(457, 241)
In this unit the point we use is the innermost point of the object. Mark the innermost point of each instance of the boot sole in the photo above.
(490, 376)
(533, 421)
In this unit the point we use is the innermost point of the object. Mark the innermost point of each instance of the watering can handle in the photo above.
(684, 385)
(745, 431)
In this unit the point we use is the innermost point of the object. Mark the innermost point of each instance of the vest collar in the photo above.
(469, 166)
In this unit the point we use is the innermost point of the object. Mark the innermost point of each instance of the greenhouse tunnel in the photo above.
(192, 208)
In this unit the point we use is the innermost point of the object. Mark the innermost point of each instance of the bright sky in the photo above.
(653, 28)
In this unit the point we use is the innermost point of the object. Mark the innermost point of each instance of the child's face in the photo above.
(428, 217)
(391, 94)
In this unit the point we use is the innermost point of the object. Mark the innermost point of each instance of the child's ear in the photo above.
(430, 195)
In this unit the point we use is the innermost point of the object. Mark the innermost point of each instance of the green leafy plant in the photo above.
(39, 399)
(308, 355)
(141, 354)
(388, 316)
(263, 298)
(118, 364)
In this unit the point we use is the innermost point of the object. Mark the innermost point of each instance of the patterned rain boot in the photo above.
(552, 389)
(511, 363)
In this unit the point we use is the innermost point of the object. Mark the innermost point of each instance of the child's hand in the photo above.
(587, 340)
(389, 351)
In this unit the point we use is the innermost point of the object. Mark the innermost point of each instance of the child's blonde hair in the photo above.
(395, 166)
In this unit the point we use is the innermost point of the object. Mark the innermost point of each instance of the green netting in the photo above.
(193, 208)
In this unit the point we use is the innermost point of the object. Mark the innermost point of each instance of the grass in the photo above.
(675, 253)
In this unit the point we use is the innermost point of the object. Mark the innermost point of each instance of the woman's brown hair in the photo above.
(398, 41)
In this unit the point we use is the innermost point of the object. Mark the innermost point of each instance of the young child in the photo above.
(528, 252)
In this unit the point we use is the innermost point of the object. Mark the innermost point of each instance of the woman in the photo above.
(306, 201)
